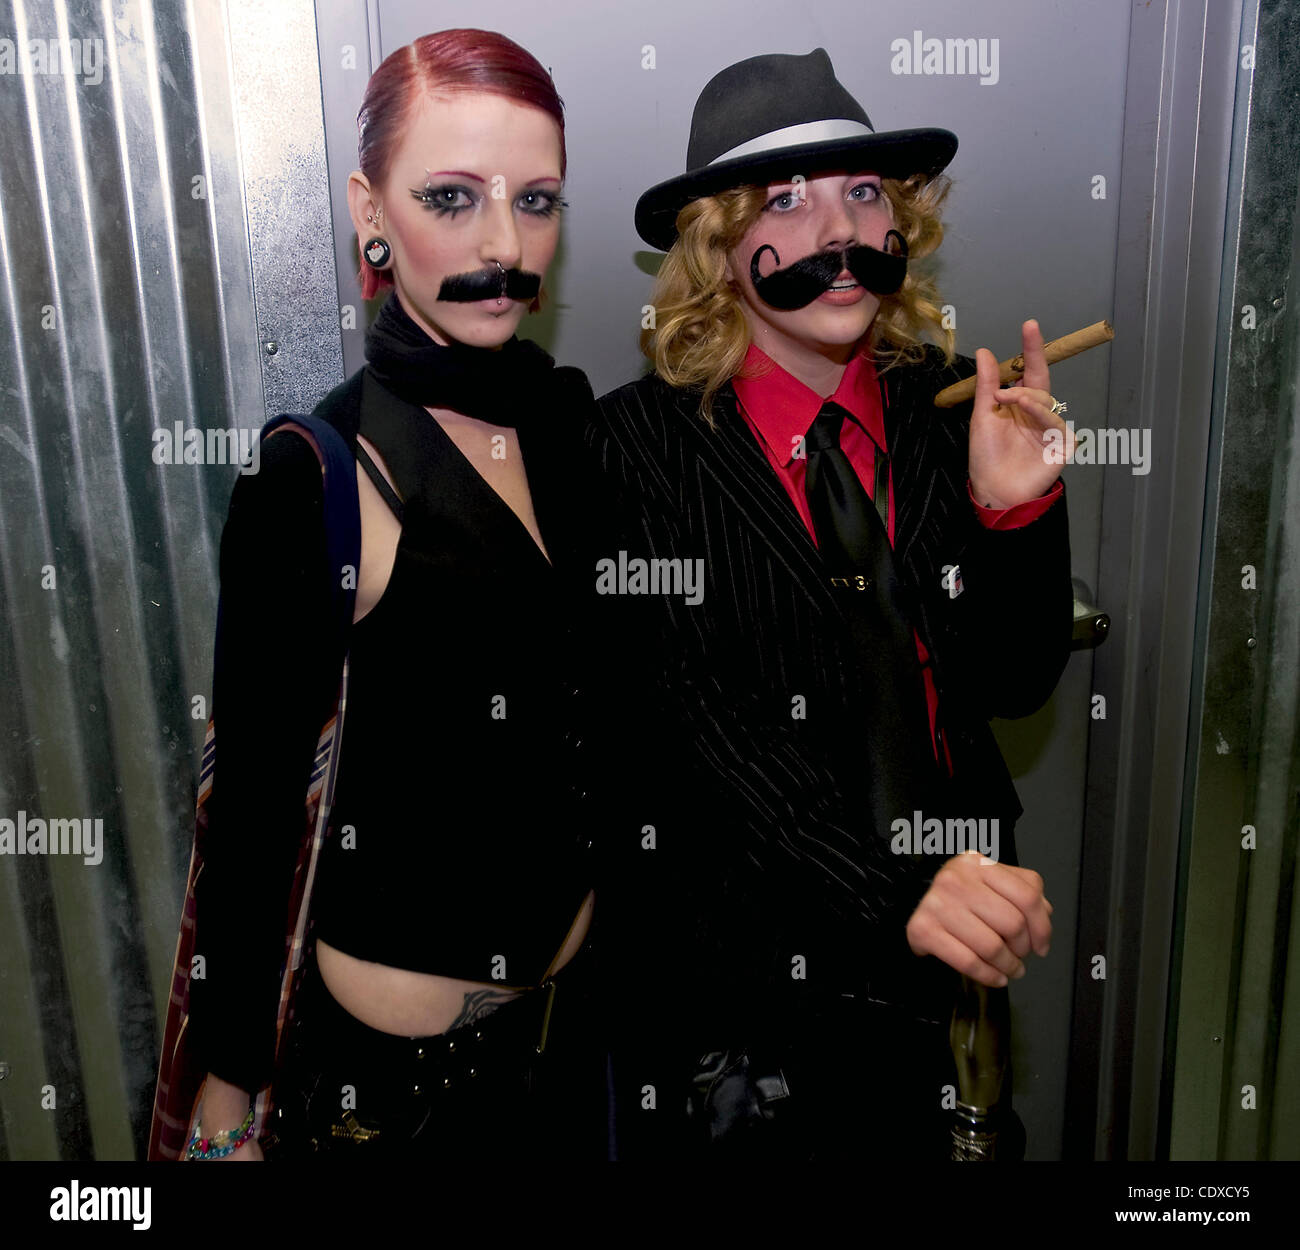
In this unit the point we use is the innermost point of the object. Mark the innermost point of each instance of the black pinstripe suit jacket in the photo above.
(767, 851)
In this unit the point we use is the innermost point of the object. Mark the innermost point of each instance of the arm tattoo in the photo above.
(479, 1003)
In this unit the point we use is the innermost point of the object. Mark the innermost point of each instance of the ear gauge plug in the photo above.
(377, 253)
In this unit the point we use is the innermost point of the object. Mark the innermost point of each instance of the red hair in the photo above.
(448, 60)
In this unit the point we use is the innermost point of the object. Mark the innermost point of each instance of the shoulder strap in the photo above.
(342, 511)
(389, 495)
(342, 514)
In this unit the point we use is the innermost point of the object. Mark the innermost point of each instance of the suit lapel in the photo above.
(921, 444)
(741, 470)
(918, 443)
(919, 447)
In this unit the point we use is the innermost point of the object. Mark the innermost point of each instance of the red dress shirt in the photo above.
(778, 409)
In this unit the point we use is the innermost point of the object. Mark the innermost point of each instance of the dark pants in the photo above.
(852, 1079)
(480, 1092)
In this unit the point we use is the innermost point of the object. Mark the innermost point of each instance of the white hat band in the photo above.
(790, 136)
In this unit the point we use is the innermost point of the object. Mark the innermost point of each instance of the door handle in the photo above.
(1091, 624)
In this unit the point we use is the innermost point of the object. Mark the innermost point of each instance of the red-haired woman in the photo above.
(443, 1010)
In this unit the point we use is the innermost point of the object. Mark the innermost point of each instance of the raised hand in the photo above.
(1009, 429)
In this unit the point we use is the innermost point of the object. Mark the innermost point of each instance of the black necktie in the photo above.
(854, 545)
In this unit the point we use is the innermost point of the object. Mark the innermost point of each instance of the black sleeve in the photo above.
(1013, 621)
(1007, 634)
(271, 692)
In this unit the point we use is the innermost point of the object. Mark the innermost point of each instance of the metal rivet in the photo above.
(1250, 642)
(272, 347)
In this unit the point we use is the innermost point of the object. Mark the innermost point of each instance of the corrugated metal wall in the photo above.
(132, 178)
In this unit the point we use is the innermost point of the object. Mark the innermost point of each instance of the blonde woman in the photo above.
(879, 578)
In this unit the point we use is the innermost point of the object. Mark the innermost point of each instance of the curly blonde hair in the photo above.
(700, 335)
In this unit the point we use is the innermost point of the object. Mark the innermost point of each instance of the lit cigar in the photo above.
(1011, 371)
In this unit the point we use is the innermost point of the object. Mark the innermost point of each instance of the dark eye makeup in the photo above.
(448, 199)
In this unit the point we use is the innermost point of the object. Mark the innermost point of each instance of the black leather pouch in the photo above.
(732, 1100)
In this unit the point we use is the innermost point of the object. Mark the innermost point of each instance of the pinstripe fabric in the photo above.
(770, 631)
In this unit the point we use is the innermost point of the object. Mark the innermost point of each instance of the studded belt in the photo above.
(349, 1084)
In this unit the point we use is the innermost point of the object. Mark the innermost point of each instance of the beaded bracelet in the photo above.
(221, 1144)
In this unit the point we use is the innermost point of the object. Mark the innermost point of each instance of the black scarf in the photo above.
(499, 385)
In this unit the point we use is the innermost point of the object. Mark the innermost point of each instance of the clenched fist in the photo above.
(982, 918)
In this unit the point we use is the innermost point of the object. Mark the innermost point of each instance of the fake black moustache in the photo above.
(797, 285)
(488, 284)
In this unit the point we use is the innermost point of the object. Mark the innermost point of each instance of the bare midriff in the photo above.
(418, 1004)
(398, 1000)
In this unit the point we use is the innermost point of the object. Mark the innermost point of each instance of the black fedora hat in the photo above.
(771, 117)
